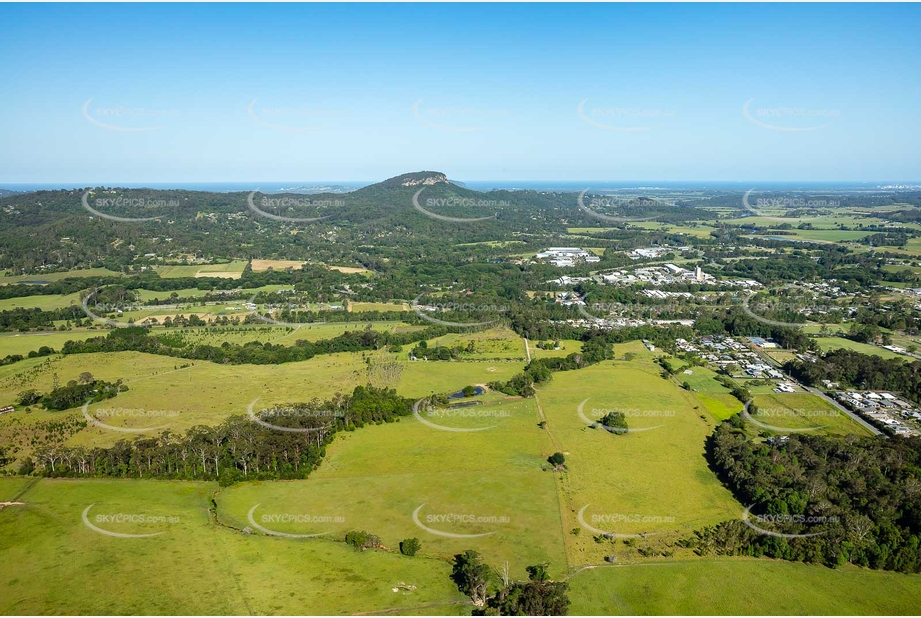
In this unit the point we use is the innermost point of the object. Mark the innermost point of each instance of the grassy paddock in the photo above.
(758, 587)
(834, 343)
(804, 411)
(631, 478)
(54, 564)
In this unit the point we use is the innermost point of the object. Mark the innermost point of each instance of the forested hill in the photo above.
(388, 218)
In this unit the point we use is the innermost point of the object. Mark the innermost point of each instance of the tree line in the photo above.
(240, 448)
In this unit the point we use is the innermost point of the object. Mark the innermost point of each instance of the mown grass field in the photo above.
(204, 311)
(23, 343)
(715, 397)
(282, 335)
(721, 406)
(799, 411)
(45, 302)
(567, 347)
(742, 586)
(834, 343)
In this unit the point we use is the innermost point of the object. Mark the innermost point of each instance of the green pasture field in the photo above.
(567, 347)
(163, 394)
(45, 302)
(378, 307)
(803, 411)
(834, 343)
(205, 393)
(702, 379)
(376, 478)
(88, 272)
(422, 378)
(205, 312)
(12, 486)
(828, 222)
(758, 587)
(831, 235)
(281, 335)
(53, 563)
(721, 406)
(147, 295)
(627, 483)
(699, 231)
(492, 343)
(897, 268)
(232, 270)
(23, 343)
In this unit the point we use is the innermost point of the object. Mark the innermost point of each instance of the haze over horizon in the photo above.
(503, 93)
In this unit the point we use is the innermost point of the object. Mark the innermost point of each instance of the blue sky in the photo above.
(174, 93)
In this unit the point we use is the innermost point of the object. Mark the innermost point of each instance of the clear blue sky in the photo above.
(327, 92)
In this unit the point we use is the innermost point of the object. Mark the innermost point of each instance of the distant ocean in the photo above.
(313, 186)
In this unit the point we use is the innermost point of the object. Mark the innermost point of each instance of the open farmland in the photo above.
(662, 452)
(229, 270)
(192, 566)
(759, 587)
(785, 412)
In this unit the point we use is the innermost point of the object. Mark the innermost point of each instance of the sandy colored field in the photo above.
(263, 265)
(377, 307)
(349, 269)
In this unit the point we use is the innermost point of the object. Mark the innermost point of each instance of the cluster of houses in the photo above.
(567, 256)
(726, 352)
(898, 415)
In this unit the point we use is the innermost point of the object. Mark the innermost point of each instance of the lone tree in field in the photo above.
(614, 422)
(471, 575)
(557, 459)
(409, 547)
